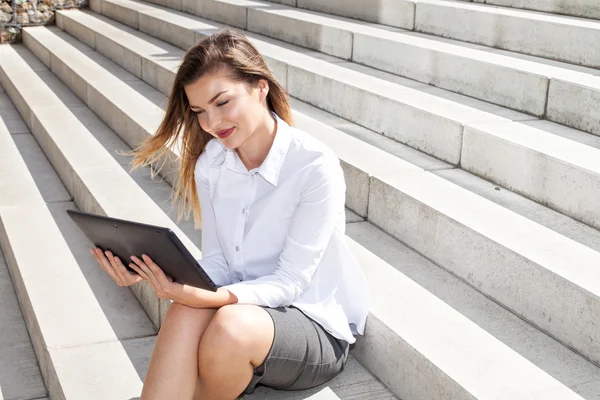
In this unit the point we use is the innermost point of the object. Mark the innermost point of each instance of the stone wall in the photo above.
(15, 14)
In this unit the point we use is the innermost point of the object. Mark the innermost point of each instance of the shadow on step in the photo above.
(20, 376)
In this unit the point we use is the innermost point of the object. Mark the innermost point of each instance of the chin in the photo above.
(230, 143)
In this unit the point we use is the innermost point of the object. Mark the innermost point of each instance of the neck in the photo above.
(254, 150)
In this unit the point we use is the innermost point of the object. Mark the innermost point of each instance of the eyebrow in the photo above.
(211, 100)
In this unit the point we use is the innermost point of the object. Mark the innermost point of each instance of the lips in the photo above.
(225, 133)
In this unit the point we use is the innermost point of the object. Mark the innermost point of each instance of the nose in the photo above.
(213, 120)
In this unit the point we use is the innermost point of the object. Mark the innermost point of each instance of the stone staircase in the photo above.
(473, 173)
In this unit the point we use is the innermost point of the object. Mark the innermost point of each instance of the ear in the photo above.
(263, 89)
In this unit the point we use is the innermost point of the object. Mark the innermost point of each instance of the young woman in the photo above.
(291, 295)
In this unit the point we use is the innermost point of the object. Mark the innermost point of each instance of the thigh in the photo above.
(303, 354)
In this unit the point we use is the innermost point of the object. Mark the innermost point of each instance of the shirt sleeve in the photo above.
(312, 226)
(213, 261)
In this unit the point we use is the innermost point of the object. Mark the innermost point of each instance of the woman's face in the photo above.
(228, 110)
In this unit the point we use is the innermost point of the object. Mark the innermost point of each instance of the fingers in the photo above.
(113, 266)
(157, 278)
(142, 274)
(156, 270)
(139, 271)
(112, 260)
(128, 277)
(145, 268)
(149, 275)
(105, 264)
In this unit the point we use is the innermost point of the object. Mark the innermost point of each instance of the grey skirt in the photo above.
(303, 354)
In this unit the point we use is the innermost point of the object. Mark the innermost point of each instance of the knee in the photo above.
(228, 332)
(231, 326)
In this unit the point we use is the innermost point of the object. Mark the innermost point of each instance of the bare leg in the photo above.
(237, 340)
(173, 369)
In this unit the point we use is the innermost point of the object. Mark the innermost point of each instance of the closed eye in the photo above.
(218, 105)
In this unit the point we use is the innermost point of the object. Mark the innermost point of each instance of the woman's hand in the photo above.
(164, 286)
(113, 266)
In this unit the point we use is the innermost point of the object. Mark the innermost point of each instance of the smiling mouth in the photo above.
(225, 132)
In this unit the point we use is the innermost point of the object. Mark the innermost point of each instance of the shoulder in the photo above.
(208, 157)
(310, 149)
(315, 157)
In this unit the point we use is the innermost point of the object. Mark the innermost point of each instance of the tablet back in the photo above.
(126, 238)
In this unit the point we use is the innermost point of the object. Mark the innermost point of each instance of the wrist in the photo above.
(201, 298)
(178, 294)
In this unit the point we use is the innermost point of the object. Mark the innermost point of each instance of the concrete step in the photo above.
(553, 90)
(550, 158)
(441, 349)
(315, 394)
(20, 73)
(371, 178)
(526, 208)
(73, 311)
(397, 13)
(401, 13)
(557, 91)
(20, 376)
(577, 8)
(554, 165)
(525, 266)
(555, 37)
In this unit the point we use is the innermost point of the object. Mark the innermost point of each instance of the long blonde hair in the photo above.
(226, 50)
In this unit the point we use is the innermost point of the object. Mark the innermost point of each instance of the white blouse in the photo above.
(274, 235)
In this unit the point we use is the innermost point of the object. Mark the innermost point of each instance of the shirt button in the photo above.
(243, 211)
(237, 248)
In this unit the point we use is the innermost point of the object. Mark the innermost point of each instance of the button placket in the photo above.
(240, 232)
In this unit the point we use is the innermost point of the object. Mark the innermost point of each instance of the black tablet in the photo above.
(128, 238)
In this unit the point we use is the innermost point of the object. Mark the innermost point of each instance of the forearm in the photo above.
(200, 298)
(269, 291)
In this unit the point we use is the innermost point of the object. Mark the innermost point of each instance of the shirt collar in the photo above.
(270, 169)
